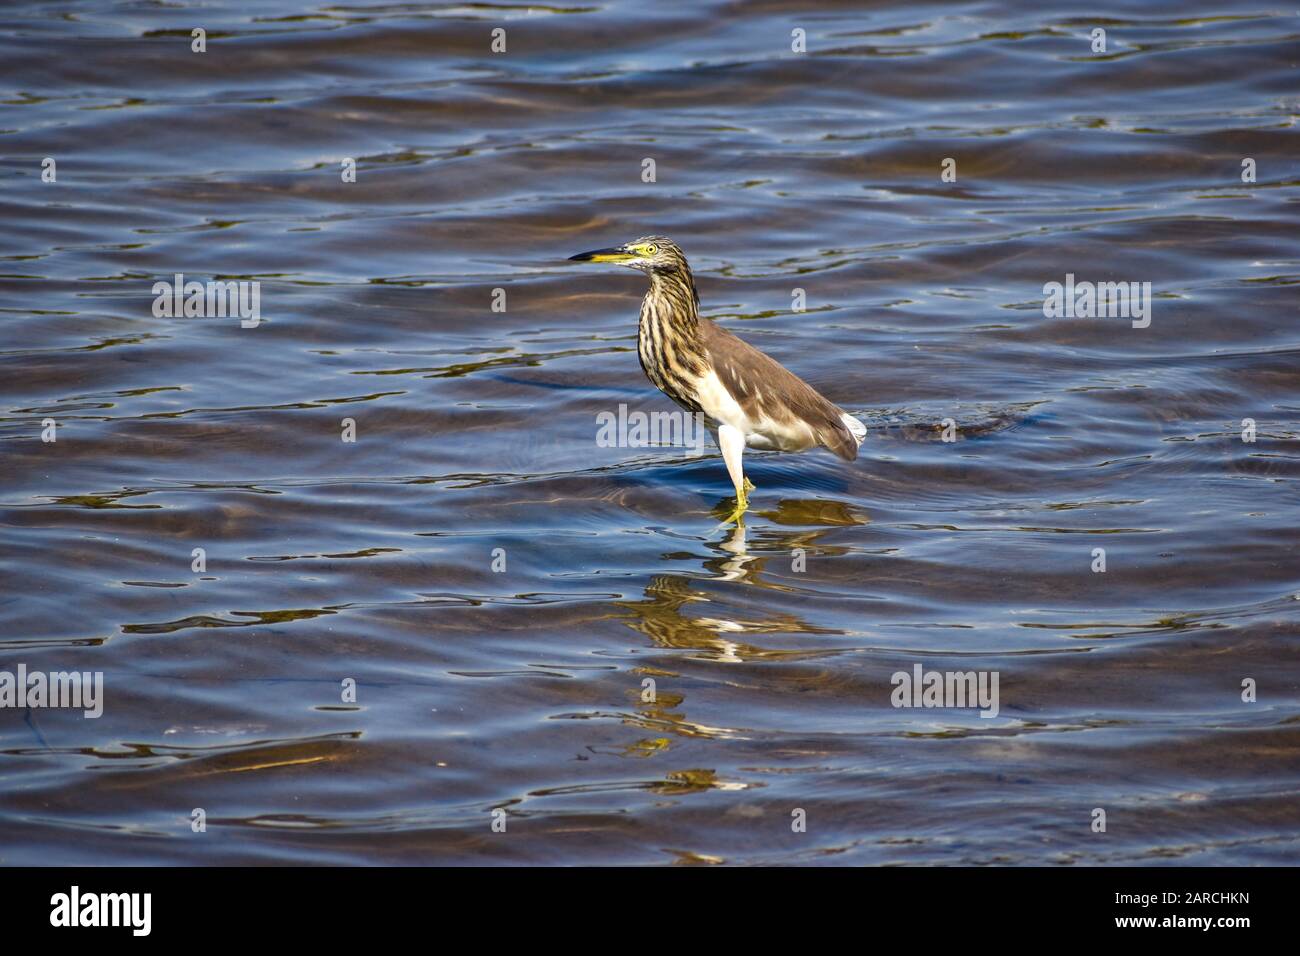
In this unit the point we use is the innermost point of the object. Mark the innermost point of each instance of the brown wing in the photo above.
(763, 387)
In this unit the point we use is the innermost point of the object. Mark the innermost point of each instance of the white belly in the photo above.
(762, 433)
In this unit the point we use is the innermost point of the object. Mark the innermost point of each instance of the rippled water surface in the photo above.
(771, 648)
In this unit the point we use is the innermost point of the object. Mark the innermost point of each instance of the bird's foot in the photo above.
(737, 515)
(749, 485)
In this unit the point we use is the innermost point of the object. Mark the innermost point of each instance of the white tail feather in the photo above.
(858, 429)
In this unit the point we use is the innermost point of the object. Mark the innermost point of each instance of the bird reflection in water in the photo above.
(661, 615)
(742, 556)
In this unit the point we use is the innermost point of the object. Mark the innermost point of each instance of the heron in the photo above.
(748, 399)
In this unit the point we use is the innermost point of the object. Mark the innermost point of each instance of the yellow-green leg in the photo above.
(732, 443)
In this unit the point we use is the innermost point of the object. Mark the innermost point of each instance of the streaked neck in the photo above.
(676, 291)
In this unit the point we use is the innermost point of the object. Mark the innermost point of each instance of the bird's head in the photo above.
(650, 254)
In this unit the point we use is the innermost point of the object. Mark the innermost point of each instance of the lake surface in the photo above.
(498, 585)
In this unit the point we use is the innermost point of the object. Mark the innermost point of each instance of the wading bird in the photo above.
(747, 397)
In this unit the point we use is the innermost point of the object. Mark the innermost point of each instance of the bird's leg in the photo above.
(732, 443)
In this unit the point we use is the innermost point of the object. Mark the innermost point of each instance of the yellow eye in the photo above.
(652, 250)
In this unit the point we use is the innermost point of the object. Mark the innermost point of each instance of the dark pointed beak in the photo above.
(614, 254)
